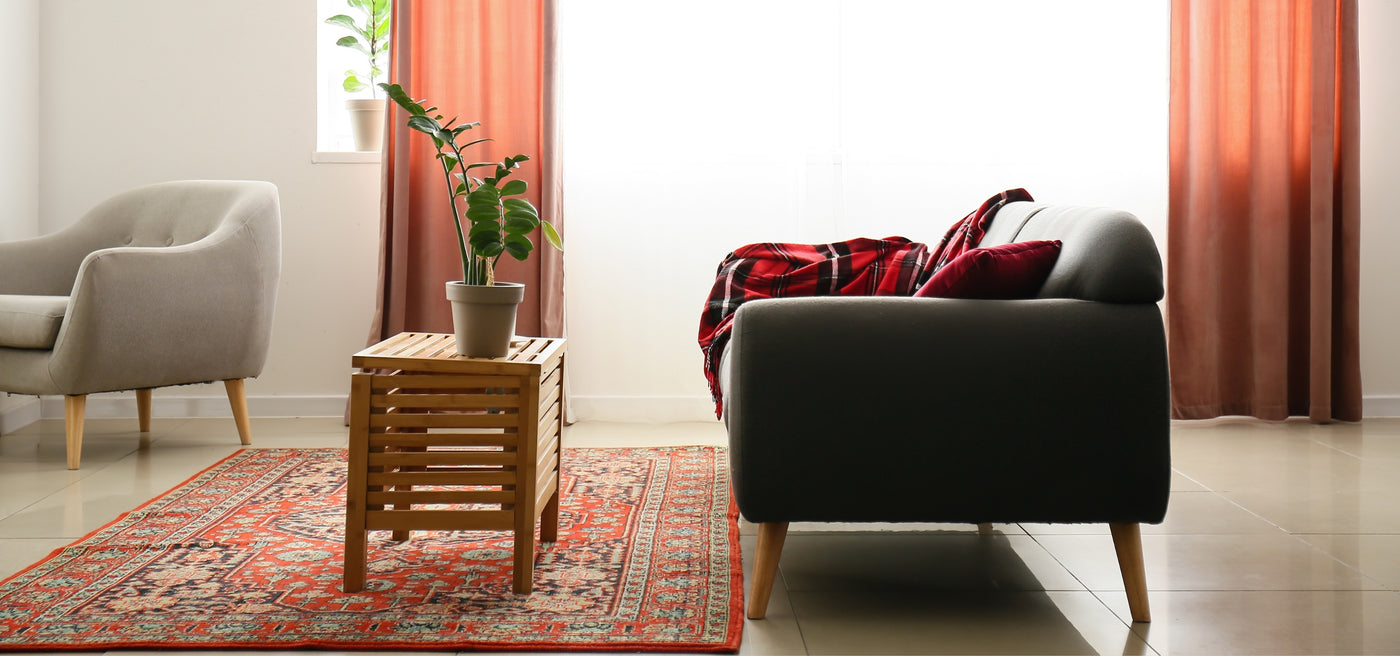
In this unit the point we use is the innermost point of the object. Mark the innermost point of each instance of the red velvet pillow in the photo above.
(1015, 270)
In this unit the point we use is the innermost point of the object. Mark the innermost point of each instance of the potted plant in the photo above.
(492, 219)
(370, 36)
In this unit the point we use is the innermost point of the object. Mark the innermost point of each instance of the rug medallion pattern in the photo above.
(248, 554)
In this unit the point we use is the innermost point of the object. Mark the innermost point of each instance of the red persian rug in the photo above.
(248, 555)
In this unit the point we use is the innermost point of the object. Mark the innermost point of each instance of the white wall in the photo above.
(1380, 230)
(19, 159)
(141, 91)
(19, 120)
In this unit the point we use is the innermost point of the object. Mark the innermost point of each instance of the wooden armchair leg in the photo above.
(74, 409)
(1127, 541)
(239, 402)
(143, 409)
(765, 566)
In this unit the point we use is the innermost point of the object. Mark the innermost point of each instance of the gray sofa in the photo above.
(893, 409)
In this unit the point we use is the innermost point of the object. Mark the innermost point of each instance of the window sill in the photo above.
(345, 157)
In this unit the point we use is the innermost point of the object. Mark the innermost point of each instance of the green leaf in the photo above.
(514, 188)
(485, 195)
(396, 94)
(352, 82)
(524, 214)
(341, 20)
(519, 246)
(479, 165)
(552, 236)
(349, 41)
(478, 213)
(487, 244)
(519, 205)
(485, 226)
(528, 215)
(450, 159)
(425, 125)
(519, 225)
(469, 144)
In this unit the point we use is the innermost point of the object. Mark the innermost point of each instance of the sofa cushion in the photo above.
(1015, 270)
(30, 322)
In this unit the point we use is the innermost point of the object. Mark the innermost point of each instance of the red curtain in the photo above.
(491, 61)
(1263, 220)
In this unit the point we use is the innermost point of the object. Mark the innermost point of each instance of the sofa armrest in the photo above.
(1034, 410)
(156, 316)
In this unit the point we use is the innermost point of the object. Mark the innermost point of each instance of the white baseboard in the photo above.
(18, 413)
(641, 409)
(122, 405)
(1380, 406)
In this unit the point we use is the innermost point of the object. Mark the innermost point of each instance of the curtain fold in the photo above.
(1264, 210)
(479, 60)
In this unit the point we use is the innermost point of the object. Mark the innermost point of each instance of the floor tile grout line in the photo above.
(795, 619)
(1094, 593)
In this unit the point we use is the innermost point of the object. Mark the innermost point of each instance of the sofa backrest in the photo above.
(1105, 255)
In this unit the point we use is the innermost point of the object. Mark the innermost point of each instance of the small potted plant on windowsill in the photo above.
(495, 221)
(369, 36)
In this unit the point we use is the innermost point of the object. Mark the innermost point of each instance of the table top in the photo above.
(438, 352)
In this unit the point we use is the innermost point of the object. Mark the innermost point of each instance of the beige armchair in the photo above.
(168, 284)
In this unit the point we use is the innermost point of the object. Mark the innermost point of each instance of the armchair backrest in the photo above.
(154, 216)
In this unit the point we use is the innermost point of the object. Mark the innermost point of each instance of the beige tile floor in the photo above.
(1281, 538)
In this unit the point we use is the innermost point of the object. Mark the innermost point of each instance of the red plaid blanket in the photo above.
(858, 267)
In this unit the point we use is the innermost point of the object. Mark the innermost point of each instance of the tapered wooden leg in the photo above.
(74, 408)
(239, 402)
(143, 409)
(771, 536)
(1127, 541)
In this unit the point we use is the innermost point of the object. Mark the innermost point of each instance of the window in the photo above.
(333, 130)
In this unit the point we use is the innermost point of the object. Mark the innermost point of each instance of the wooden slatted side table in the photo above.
(444, 442)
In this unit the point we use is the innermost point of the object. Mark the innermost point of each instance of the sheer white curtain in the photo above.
(692, 127)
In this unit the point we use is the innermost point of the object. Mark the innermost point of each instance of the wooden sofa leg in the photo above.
(143, 409)
(1127, 541)
(74, 408)
(765, 566)
(239, 402)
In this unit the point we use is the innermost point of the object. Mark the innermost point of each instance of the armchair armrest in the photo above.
(156, 316)
(960, 408)
(42, 266)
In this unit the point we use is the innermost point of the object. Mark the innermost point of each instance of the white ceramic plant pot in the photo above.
(483, 317)
(367, 123)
